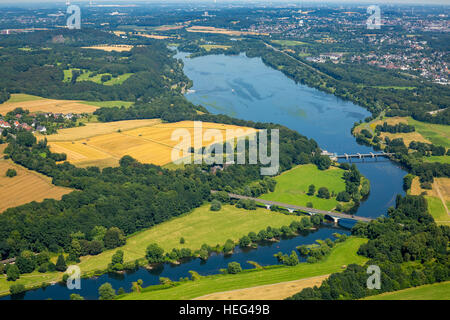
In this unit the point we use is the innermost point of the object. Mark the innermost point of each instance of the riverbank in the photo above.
(201, 226)
(343, 254)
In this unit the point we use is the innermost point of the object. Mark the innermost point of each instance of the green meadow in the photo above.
(292, 186)
(436, 291)
(22, 97)
(436, 133)
(289, 43)
(87, 76)
(108, 104)
(197, 227)
(437, 210)
(343, 254)
(441, 159)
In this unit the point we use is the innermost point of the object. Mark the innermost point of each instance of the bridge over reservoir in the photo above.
(360, 155)
(335, 216)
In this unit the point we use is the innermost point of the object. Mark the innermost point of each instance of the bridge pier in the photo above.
(290, 210)
(336, 220)
(268, 206)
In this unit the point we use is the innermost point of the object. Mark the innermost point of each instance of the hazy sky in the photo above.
(224, 1)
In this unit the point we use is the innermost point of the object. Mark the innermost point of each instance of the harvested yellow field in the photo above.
(26, 187)
(49, 105)
(391, 121)
(407, 137)
(278, 291)
(443, 185)
(441, 188)
(204, 29)
(109, 48)
(99, 128)
(149, 141)
(153, 36)
(167, 28)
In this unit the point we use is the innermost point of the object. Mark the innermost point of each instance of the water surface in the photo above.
(246, 88)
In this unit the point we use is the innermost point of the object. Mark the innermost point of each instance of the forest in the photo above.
(40, 69)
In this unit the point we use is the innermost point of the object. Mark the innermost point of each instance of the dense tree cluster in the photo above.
(40, 70)
(427, 149)
(314, 253)
(397, 128)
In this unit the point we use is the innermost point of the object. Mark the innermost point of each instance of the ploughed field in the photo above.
(148, 141)
(26, 186)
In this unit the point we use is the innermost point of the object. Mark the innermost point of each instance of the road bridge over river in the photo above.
(336, 216)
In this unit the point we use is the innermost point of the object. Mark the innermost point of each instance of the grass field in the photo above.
(277, 291)
(29, 280)
(292, 186)
(438, 198)
(198, 227)
(343, 254)
(425, 132)
(21, 97)
(436, 291)
(437, 210)
(26, 187)
(108, 104)
(35, 104)
(148, 143)
(209, 47)
(87, 76)
(436, 133)
(289, 43)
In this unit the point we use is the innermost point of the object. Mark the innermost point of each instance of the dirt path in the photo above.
(438, 190)
(277, 291)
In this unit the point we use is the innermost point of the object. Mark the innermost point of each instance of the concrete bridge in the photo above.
(361, 155)
(335, 216)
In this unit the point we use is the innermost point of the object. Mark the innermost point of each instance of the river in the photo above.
(245, 88)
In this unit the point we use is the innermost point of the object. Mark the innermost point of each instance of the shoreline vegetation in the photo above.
(189, 227)
(422, 148)
(343, 254)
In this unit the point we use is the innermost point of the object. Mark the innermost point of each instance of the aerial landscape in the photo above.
(224, 150)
